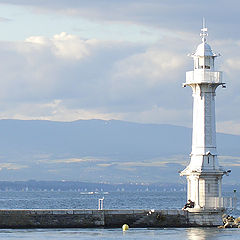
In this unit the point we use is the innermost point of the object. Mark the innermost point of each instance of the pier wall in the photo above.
(102, 218)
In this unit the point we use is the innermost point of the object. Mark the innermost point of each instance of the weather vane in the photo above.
(204, 33)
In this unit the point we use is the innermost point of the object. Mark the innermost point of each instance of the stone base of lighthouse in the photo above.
(205, 218)
(204, 189)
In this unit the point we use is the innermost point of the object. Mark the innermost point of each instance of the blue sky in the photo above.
(66, 60)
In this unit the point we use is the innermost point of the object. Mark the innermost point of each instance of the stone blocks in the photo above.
(69, 218)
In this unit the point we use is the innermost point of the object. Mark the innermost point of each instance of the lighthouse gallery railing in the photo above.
(206, 77)
(220, 202)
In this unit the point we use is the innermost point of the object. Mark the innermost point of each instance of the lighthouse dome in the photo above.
(204, 49)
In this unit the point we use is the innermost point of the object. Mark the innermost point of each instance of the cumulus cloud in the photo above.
(92, 72)
(65, 77)
(64, 45)
(154, 65)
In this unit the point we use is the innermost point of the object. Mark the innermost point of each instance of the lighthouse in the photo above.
(204, 175)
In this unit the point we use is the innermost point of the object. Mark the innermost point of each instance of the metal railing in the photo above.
(203, 77)
(220, 202)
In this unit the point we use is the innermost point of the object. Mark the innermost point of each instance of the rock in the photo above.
(230, 222)
(237, 221)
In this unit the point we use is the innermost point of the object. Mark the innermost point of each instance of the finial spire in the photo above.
(204, 33)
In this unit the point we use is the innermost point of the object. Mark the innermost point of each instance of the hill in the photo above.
(101, 151)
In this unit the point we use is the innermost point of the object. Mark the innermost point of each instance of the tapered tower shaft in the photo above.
(204, 175)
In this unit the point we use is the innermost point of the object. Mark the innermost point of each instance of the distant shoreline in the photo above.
(77, 186)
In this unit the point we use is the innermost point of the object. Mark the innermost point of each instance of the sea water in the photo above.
(112, 200)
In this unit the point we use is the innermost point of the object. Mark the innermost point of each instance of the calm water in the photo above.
(114, 200)
(140, 234)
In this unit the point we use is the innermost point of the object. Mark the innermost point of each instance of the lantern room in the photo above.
(204, 56)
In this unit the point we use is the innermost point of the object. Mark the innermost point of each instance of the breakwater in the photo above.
(46, 218)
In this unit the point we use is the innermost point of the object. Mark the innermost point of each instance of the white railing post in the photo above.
(100, 203)
(221, 202)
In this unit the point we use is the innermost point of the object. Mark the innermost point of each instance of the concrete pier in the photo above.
(105, 218)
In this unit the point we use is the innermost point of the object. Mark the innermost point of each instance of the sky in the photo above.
(65, 60)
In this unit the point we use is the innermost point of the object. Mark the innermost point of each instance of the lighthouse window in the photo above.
(201, 62)
(208, 160)
(207, 63)
(208, 187)
(196, 63)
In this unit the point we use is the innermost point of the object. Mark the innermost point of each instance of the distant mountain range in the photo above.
(102, 151)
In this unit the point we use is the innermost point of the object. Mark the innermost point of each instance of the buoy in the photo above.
(125, 227)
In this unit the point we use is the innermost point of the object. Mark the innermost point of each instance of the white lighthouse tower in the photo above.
(204, 175)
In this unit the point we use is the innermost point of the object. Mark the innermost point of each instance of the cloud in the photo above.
(231, 127)
(153, 64)
(73, 160)
(63, 74)
(55, 110)
(64, 45)
(229, 161)
(66, 70)
(174, 15)
(65, 78)
(12, 166)
(3, 19)
(144, 78)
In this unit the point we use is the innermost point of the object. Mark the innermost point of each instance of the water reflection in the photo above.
(203, 233)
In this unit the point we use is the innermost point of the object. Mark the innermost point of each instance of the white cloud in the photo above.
(232, 127)
(65, 45)
(38, 40)
(66, 78)
(12, 166)
(153, 65)
(54, 111)
(72, 160)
